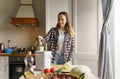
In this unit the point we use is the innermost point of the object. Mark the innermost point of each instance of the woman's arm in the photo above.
(48, 36)
(72, 49)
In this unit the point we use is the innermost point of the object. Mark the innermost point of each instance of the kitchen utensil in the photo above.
(9, 50)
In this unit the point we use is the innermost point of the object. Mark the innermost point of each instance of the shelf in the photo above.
(18, 21)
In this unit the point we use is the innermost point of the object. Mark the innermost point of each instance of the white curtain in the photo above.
(105, 67)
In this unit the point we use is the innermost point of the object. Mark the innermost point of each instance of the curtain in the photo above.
(105, 67)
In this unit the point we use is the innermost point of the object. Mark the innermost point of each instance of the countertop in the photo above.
(15, 54)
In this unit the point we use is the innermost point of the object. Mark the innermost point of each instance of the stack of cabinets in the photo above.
(4, 65)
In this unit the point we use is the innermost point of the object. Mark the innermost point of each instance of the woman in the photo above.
(60, 40)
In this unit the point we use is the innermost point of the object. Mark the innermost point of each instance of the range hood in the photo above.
(25, 15)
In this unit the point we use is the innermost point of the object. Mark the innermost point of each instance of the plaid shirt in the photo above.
(69, 43)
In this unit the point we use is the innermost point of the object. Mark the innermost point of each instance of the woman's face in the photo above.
(61, 21)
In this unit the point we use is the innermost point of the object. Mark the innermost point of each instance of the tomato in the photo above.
(52, 70)
(46, 70)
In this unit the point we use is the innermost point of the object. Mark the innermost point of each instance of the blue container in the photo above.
(9, 50)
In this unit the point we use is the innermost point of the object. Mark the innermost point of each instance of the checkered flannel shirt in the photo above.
(69, 43)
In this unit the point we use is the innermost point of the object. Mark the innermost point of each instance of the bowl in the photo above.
(9, 50)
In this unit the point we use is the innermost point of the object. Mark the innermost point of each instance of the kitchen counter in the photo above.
(4, 54)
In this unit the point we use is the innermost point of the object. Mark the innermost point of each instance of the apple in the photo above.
(52, 70)
(46, 70)
(28, 74)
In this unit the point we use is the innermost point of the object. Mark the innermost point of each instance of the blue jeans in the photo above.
(59, 58)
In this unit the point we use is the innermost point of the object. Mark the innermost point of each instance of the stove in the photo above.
(16, 66)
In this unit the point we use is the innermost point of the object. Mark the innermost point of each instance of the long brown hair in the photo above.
(68, 27)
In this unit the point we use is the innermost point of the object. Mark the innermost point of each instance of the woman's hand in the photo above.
(40, 37)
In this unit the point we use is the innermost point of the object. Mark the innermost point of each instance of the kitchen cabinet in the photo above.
(4, 66)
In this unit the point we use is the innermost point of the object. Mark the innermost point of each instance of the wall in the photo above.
(52, 11)
(21, 36)
(88, 27)
(39, 9)
(87, 30)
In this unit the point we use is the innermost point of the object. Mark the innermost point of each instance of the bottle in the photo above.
(39, 46)
(29, 61)
(9, 43)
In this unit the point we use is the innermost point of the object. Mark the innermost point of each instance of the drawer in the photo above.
(3, 59)
(16, 58)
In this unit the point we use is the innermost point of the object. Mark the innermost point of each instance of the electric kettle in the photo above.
(2, 47)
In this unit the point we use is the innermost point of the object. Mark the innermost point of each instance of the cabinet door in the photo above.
(4, 67)
(4, 59)
(3, 77)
